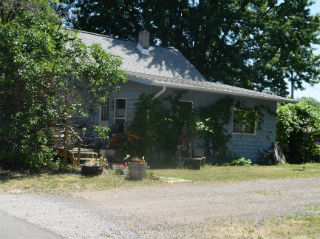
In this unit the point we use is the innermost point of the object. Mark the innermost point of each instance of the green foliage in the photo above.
(46, 73)
(212, 120)
(157, 125)
(313, 103)
(40, 9)
(181, 112)
(296, 125)
(252, 44)
(151, 129)
(241, 162)
(102, 131)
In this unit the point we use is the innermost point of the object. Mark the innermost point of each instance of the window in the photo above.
(104, 116)
(244, 121)
(120, 109)
(120, 113)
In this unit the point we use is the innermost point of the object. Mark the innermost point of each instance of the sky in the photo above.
(311, 91)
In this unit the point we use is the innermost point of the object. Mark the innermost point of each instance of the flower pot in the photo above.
(91, 170)
(137, 171)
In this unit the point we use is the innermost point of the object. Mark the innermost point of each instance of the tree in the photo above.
(248, 43)
(315, 104)
(46, 73)
(296, 125)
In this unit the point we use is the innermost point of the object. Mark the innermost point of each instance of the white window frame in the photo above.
(187, 101)
(242, 125)
(115, 110)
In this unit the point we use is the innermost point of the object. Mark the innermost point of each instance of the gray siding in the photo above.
(242, 145)
(249, 146)
(131, 92)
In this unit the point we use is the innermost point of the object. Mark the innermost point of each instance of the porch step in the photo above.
(85, 154)
(73, 140)
(84, 160)
(83, 150)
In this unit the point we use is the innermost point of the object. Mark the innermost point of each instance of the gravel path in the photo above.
(162, 211)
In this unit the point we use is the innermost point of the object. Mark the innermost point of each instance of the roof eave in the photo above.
(203, 89)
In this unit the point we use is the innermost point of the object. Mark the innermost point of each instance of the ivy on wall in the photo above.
(254, 114)
(151, 130)
(158, 123)
(214, 117)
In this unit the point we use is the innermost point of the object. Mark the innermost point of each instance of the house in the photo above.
(162, 71)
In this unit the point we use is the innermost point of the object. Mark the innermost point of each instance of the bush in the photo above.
(296, 126)
(241, 162)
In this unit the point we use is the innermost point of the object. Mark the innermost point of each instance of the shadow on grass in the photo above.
(300, 169)
(8, 175)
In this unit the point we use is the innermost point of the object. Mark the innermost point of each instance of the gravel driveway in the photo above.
(161, 211)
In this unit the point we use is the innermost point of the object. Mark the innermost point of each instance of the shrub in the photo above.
(241, 162)
(296, 126)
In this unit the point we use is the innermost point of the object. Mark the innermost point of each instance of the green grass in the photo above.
(66, 183)
(217, 174)
(280, 228)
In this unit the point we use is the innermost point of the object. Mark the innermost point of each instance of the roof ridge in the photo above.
(122, 39)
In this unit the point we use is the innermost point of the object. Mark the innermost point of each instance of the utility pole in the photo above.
(292, 85)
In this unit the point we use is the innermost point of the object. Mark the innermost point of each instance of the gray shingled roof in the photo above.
(165, 67)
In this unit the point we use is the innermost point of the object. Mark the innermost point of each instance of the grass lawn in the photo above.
(214, 174)
(65, 183)
(280, 228)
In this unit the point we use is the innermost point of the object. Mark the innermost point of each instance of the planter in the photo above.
(137, 171)
(91, 170)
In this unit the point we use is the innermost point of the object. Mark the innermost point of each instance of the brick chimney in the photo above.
(143, 42)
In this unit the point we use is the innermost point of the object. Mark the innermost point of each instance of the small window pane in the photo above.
(120, 108)
(237, 121)
(249, 122)
(244, 121)
(121, 103)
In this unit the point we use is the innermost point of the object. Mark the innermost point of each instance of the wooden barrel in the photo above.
(137, 171)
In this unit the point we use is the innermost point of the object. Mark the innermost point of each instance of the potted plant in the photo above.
(121, 169)
(137, 169)
(92, 167)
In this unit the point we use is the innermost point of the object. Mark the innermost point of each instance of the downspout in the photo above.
(153, 98)
(159, 93)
